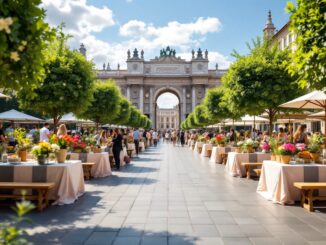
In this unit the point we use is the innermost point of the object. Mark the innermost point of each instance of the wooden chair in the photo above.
(41, 188)
(249, 165)
(307, 189)
(87, 167)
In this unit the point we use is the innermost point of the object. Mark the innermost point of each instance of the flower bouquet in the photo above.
(23, 143)
(213, 141)
(43, 150)
(64, 142)
(248, 146)
(315, 146)
(78, 145)
(266, 147)
(238, 146)
(220, 138)
(286, 151)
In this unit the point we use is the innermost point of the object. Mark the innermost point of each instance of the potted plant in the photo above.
(23, 143)
(273, 145)
(43, 150)
(248, 146)
(63, 142)
(238, 146)
(213, 141)
(78, 146)
(220, 138)
(314, 147)
(286, 151)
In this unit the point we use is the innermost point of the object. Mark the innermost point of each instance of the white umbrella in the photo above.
(71, 118)
(4, 96)
(318, 114)
(248, 118)
(313, 100)
(13, 115)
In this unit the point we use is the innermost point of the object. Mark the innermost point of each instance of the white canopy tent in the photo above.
(17, 116)
(71, 118)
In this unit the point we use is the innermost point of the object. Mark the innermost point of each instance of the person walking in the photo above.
(117, 147)
(182, 138)
(45, 133)
(136, 136)
(155, 137)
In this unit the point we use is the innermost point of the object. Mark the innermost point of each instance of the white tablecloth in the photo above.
(206, 147)
(102, 166)
(276, 180)
(68, 178)
(217, 151)
(233, 164)
(198, 144)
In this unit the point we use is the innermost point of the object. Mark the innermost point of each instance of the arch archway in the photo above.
(168, 116)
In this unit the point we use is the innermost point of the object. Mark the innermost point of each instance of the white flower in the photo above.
(55, 147)
(5, 23)
(14, 56)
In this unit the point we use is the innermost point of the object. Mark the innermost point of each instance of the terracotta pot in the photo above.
(273, 157)
(250, 149)
(285, 159)
(41, 160)
(237, 150)
(314, 156)
(61, 155)
(278, 158)
(23, 155)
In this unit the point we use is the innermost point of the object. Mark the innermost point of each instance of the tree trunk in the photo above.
(56, 120)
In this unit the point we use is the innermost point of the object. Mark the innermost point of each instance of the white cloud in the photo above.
(80, 18)
(83, 21)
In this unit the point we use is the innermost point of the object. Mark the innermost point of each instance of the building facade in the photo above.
(145, 80)
(167, 119)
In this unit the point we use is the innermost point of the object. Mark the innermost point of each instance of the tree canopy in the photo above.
(67, 86)
(309, 60)
(23, 38)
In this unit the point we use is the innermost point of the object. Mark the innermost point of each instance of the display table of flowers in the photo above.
(276, 180)
(233, 164)
(207, 150)
(68, 177)
(217, 151)
(102, 166)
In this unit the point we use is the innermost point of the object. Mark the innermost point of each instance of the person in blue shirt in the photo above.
(136, 136)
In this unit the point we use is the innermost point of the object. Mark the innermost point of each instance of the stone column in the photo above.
(128, 92)
(183, 108)
(193, 98)
(141, 98)
(151, 107)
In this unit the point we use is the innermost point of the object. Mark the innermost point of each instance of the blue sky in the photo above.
(109, 27)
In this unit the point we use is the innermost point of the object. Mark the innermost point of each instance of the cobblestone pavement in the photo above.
(170, 195)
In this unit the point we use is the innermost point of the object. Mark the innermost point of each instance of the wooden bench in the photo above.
(41, 188)
(249, 165)
(87, 168)
(307, 189)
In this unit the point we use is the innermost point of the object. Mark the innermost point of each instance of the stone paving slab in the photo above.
(171, 195)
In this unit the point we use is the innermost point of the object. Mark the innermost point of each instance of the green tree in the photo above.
(134, 117)
(67, 87)
(200, 115)
(124, 111)
(309, 60)
(104, 107)
(259, 82)
(23, 37)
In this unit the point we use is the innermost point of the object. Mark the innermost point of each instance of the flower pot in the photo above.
(23, 155)
(61, 155)
(237, 149)
(97, 150)
(41, 160)
(285, 159)
(314, 156)
(78, 150)
(278, 158)
(221, 145)
(273, 157)
(250, 149)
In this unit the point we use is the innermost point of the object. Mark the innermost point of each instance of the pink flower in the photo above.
(289, 147)
(266, 147)
(301, 147)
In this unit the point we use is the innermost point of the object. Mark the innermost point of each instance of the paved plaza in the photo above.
(170, 195)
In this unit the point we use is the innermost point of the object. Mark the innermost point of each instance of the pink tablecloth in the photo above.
(233, 164)
(68, 177)
(217, 151)
(276, 180)
(206, 147)
(102, 166)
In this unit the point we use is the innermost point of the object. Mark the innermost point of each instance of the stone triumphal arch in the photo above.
(143, 81)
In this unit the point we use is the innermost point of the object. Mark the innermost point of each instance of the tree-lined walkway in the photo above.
(172, 196)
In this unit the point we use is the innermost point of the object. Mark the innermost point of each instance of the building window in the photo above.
(167, 125)
(290, 38)
(162, 126)
(172, 125)
(284, 42)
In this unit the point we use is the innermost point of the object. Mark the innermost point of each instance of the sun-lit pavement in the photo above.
(169, 195)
